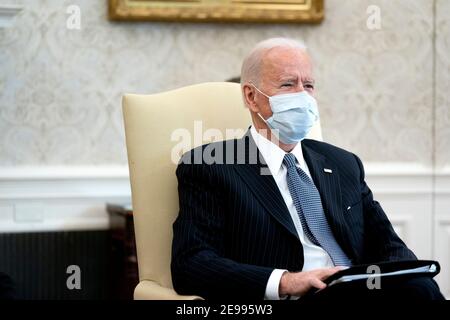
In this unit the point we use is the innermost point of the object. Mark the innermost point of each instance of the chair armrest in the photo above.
(150, 290)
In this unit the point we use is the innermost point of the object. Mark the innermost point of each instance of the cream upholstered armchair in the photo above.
(155, 125)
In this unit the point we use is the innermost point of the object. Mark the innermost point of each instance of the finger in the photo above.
(329, 272)
(316, 283)
(339, 268)
(321, 273)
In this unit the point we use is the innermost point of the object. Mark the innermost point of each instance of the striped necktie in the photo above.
(307, 202)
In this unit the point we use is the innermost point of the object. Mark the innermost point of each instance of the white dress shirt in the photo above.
(315, 257)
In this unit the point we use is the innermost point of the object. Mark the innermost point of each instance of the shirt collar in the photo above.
(273, 154)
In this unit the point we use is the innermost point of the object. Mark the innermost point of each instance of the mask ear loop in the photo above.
(259, 90)
(266, 97)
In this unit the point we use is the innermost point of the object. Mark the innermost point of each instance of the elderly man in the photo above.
(246, 232)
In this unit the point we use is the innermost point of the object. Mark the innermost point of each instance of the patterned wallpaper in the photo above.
(60, 89)
(442, 83)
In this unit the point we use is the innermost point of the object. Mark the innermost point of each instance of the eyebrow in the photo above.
(310, 80)
(288, 78)
(294, 79)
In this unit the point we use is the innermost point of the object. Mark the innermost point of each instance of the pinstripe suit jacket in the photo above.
(234, 227)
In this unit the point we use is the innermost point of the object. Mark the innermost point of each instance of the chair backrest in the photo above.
(158, 127)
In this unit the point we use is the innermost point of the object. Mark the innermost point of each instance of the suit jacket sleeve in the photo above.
(199, 263)
(381, 241)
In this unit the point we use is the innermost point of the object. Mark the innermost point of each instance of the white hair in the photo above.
(251, 65)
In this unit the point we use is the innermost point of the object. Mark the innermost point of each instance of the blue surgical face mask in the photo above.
(294, 114)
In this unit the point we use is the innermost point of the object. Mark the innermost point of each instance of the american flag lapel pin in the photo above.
(327, 170)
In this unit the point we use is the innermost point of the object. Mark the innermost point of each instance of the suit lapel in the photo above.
(258, 178)
(326, 178)
(266, 190)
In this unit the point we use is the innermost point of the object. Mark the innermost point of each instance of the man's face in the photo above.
(283, 70)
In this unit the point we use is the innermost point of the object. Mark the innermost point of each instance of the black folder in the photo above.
(386, 270)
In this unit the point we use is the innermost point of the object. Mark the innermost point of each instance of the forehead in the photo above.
(279, 61)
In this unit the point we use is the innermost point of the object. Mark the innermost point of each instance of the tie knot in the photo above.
(289, 160)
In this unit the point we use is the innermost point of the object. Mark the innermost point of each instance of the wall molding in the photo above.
(7, 14)
(74, 198)
(62, 172)
(64, 182)
(98, 182)
(375, 169)
(38, 199)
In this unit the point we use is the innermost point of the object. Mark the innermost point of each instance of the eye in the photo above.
(286, 85)
(309, 86)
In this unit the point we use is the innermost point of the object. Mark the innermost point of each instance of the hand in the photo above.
(299, 283)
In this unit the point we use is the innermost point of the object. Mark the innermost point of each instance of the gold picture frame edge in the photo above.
(117, 11)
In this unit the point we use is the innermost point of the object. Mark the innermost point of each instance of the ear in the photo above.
(249, 97)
